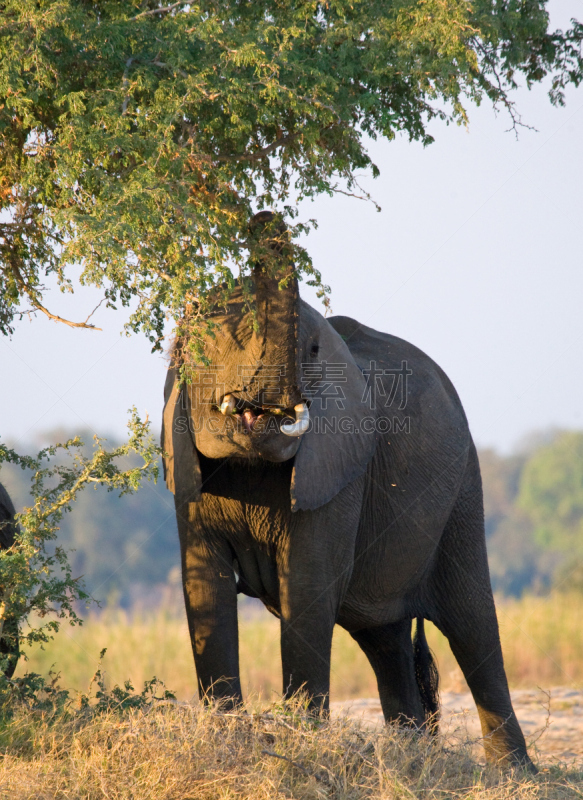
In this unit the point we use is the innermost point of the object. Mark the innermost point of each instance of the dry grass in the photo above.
(184, 752)
(542, 638)
(542, 642)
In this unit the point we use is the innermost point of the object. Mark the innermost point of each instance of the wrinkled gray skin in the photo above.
(367, 531)
(9, 641)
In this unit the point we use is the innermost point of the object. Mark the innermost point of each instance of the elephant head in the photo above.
(264, 395)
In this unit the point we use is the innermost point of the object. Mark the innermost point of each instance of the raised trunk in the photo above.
(257, 360)
(276, 380)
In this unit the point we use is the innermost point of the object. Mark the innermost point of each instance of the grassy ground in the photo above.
(542, 639)
(169, 752)
(162, 750)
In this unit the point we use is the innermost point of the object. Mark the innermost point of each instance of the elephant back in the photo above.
(418, 411)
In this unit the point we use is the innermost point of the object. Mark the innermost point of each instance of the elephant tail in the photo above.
(427, 677)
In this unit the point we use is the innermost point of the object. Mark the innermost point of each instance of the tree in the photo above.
(551, 493)
(139, 137)
(35, 578)
(122, 546)
(500, 477)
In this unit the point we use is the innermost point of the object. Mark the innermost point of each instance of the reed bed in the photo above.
(542, 640)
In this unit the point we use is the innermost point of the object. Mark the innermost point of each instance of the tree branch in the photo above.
(265, 151)
(165, 10)
(103, 299)
(125, 85)
(502, 94)
(31, 294)
(68, 322)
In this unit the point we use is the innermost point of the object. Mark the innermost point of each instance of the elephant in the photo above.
(328, 469)
(9, 644)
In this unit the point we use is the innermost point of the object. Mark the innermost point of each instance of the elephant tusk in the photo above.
(302, 423)
(228, 404)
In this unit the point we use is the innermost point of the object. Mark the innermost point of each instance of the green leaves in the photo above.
(138, 139)
(551, 493)
(36, 580)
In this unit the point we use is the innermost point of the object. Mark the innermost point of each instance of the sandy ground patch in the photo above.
(552, 723)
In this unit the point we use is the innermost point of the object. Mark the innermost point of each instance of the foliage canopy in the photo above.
(139, 137)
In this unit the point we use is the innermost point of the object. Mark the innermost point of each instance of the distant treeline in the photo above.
(127, 549)
(533, 502)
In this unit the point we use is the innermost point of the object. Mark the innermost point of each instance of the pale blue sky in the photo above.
(476, 257)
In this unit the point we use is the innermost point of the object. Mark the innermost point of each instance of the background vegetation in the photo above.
(127, 548)
(542, 640)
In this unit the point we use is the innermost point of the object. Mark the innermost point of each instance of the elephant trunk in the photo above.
(276, 381)
(255, 357)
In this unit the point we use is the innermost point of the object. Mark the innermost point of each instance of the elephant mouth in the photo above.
(249, 414)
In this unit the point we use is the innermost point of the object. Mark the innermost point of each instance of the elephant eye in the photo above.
(314, 349)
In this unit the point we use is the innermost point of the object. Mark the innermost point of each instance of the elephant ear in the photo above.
(340, 441)
(181, 466)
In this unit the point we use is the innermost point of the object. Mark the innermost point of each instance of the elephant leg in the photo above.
(210, 595)
(308, 614)
(390, 652)
(465, 613)
(315, 566)
(306, 645)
